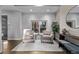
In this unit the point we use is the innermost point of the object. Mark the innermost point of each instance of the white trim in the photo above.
(77, 26)
(0, 34)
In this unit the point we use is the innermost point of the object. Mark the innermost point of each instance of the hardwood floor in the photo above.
(8, 45)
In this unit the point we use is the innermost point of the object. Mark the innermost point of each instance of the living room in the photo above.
(18, 19)
(49, 29)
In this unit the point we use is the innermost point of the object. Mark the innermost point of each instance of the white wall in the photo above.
(0, 35)
(72, 17)
(37, 16)
(18, 21)
(14, 22)
(77, 20)
(61, 17)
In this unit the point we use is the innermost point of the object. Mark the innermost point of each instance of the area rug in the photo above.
(37, 46)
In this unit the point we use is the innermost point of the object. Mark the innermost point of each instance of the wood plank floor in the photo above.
(7, 47)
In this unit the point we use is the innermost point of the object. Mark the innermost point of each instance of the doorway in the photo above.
(38, 26)
(4, 27)
(70, 24)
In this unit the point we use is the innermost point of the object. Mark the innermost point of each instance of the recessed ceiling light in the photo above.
(31, 10)
(39, 5)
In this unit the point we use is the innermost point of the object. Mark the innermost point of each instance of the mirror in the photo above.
(72, 19)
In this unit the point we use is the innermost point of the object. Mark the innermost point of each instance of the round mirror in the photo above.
(73, 17)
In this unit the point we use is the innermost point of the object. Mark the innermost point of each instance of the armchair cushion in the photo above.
(27, 34)
(47, 36)
(46, 32)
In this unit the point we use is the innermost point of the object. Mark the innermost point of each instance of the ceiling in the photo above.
(75, 9)
(32, 8)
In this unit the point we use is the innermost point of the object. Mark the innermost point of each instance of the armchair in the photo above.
(28, 35)
(47, 37)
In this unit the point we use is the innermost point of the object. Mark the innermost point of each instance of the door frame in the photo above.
(39, 24)
(6, 22)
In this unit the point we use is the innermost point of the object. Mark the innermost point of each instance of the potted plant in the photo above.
(55, 28)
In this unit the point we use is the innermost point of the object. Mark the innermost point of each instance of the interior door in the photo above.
(4, 27)
(42, 26)
(38, 26)
(35, 26)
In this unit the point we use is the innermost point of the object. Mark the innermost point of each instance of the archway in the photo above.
(61, 17)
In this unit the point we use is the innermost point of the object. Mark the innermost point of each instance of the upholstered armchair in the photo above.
(47, 37)
(28, 35)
